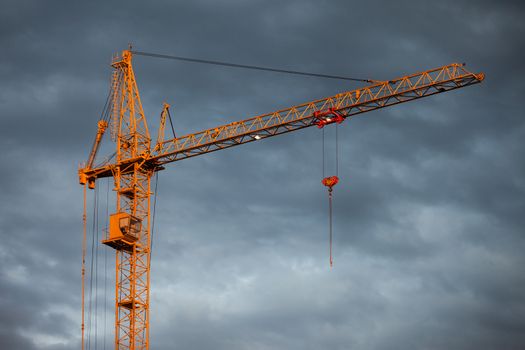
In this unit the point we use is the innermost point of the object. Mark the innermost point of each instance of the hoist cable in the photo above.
(336, 150)
(171, 123)
(106, 106)
(90, 303)
(83, 271)
(96, 235)
(153, 215)
(330, 182)
(246, 66)
(106, 266)
(323, 155)
(330, 215)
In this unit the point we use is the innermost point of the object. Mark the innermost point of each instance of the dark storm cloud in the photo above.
(428, 215)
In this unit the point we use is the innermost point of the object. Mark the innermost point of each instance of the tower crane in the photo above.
(137, 160)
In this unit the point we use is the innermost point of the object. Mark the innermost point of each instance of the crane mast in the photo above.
(136, 162)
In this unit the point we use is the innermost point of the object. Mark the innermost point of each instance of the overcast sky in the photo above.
(429, 215)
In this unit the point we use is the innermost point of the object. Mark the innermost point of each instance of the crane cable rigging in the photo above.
(106, 115)
(90, 328)
(330, 182)
(253, 67)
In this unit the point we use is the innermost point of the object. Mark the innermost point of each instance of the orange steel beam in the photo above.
(102, 125)
(320, 112)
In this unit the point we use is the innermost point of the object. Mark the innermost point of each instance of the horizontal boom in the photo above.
(316, 113)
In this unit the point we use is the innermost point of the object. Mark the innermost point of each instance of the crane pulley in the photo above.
(137, 161)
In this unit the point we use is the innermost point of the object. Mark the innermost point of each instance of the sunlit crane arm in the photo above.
(321, 112)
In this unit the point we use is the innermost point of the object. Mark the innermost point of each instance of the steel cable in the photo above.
(90, 303)
(153, 214)
(330, 215)
(246, 66)
(106, 267)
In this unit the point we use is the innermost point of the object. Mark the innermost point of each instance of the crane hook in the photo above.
(330, 182)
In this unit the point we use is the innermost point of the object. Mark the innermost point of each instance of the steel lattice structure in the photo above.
(136, 161)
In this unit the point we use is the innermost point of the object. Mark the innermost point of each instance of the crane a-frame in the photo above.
(137, 160)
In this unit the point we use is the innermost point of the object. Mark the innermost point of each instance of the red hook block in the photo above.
(330, 181)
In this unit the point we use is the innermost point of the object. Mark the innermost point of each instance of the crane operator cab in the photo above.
(124, 231)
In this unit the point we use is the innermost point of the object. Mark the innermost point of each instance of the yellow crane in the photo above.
(137, 160)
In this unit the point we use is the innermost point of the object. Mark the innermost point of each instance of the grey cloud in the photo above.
(428, 235)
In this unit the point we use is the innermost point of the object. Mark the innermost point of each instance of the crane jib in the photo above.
(333, 109)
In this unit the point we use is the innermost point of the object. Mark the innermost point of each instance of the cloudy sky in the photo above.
(429, 215)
